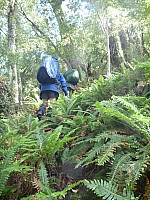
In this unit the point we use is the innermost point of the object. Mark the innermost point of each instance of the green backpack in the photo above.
(72, 76)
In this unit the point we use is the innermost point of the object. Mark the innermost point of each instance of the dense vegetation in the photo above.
(96, 145)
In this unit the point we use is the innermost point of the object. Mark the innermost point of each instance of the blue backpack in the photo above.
(48, 71)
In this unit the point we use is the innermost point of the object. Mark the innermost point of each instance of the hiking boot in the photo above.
(49, 112)
(41, 112)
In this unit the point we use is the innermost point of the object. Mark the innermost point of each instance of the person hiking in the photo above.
(72, 79)
(50, 79)
(71, 88)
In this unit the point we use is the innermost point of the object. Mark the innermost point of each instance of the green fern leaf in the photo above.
(107, 154)
(108, 191)
(44, 185)
(4, 164)
(69, 187)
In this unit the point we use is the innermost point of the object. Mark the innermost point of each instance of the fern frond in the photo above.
(124, 101)
(43, 175)
(122, 114)
(136, 170)
(69, 187)
(127, 167)
(108, 111)
(4, 164)
(99, 154)
(103, 147)
(90, 155)
(107, 154)
(108, 191)
(52, 142)
(39, 137)
(66, 106)
(111, 134)
(54, 195)
(73, 154)
(118, 165)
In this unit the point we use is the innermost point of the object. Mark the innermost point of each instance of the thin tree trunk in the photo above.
(12, 47)
(108, 56)
(121, 55)
(105, 28)
(20, 88)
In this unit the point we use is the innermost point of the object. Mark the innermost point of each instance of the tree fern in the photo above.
(108, 191)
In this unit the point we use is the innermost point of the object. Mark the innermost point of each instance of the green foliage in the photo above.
(46, 191)
(52, 143)
(67, 106)
(4, 164)
(92, 128)
(6, 101)
(18, 151)
(54, 195)
(104, 89)
(116, 136)
(96, 127)
(68, 188)
(122, 109)
(25, 144)
(44, 185)
(108, 191)
(146, 67)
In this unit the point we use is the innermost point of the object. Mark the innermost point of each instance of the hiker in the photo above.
(50, 79)
(72, 79)
(71, 88)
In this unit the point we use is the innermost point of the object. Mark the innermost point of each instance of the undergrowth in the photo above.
(104, 130)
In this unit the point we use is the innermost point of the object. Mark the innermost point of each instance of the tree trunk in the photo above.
(20, 89)
(104, 23)
(115, 61)
(108, 56)
(12, 47)
(145, 52)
